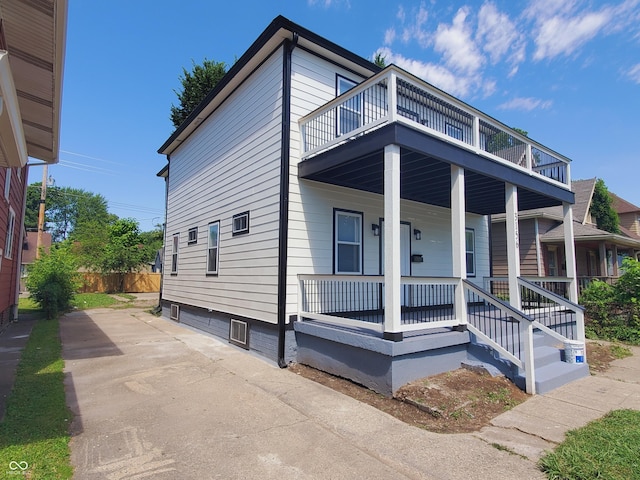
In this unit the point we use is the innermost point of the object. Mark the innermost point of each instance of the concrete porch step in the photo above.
(555, 375)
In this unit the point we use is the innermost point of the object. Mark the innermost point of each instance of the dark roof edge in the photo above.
(277, 24)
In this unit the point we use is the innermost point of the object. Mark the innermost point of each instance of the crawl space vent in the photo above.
(175, 312)
(239, 333)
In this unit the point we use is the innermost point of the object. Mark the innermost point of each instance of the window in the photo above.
(240, 223)
(174, 253)
(11, 224)
(213, 248)
(453, 131)
(349, 111)
(7, 183)
(193, 236)
(470, 248)
(348, 242)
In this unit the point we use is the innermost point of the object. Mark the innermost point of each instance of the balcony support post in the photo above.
(393, 96)
(513, 244)
(570, 251)
(392, 277)
(458, 240)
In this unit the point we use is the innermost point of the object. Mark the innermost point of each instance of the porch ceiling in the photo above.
(425, 173)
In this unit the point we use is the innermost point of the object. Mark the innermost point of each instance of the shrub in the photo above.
(52, 281)
(613, 312)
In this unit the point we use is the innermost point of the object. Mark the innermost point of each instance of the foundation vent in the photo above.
(175, 312)
(239, 333)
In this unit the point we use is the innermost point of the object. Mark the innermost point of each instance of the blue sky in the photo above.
(566, 71)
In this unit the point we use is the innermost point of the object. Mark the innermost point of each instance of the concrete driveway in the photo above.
(154, 399)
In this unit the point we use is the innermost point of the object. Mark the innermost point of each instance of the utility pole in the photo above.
(43, 196)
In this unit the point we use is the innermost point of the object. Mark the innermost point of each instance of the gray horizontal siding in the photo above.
(229, 165)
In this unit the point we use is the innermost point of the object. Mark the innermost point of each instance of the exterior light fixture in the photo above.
(417, 233)
(375, 229)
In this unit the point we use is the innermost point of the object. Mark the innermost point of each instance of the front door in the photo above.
(405, 256)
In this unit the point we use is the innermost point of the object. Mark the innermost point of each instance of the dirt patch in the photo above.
(454, 402)
(601, 354)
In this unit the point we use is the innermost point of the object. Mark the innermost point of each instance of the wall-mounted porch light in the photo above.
(417, 233)
(375, 229)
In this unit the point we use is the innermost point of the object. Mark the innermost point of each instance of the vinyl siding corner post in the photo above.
(458, 240)
(513, 244)
(392, 277)
(285, 159)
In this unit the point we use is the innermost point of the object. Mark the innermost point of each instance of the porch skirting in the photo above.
(381, 365)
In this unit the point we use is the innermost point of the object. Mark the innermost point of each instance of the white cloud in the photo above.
(389, 36)
(634, 73)
(329, 3)
(562, 36)
(414, 30)
(456, 44)
(440, 76)
(499, 35)
(526, 104)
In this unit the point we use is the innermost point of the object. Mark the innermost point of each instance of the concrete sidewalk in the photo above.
(154, 399)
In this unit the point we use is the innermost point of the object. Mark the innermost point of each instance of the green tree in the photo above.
(66, 209)
(196, 84)
(53, 280)
(124, 251)
(602, 209)
(380, 60)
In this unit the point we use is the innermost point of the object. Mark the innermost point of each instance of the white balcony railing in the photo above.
(396, 96)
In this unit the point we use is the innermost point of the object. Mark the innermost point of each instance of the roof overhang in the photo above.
(614, 238)
(425, 172)
(35, 38)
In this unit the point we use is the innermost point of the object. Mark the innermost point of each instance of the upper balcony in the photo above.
(394, 96)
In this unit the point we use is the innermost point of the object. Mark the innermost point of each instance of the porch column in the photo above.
(513, 244)
(458, 239)
(570, 252)
(603, 260)
(392, 278)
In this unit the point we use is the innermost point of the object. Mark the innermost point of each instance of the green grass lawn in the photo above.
(607, 449)
(85, 301)
(34, 436)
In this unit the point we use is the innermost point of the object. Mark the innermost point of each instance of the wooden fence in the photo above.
(115, 282)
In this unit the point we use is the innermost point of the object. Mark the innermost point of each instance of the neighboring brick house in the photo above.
(32, 44)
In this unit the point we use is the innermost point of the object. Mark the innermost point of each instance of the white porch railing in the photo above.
(504, 328)
(396, 96)
(358, 301)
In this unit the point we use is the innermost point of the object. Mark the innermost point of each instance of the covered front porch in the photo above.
(398, 137)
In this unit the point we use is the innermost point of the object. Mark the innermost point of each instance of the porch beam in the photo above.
(570, 251)
(458, 240)
(513, 244)
(392, 277)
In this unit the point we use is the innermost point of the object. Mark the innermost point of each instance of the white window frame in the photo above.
(240, 229)
(337, 242)
(192, 236)
(175, 243)
(11, 227)
(211, 248)
(353, 108)
(472, 251)
(7, 183)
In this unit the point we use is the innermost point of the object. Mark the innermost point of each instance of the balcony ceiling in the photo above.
(34, 35)
(425, 172)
